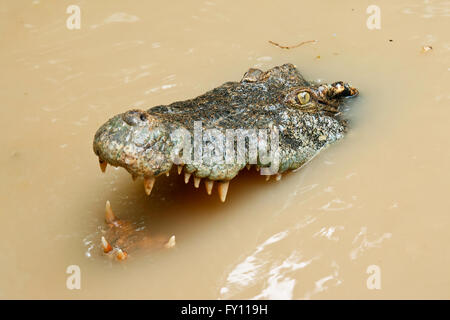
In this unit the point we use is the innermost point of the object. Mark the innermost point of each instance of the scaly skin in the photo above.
(140, 141)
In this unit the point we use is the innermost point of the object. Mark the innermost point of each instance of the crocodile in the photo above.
(301, 117)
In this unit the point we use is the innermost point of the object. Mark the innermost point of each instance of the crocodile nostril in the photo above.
(131, 117)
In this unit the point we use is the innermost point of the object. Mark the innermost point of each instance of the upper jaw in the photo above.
(112, 144)
(123, 145)
(108, 140)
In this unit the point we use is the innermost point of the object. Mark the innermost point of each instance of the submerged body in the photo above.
(305, 118)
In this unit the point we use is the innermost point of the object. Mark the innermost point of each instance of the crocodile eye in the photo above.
(142, 116)
(303, 97)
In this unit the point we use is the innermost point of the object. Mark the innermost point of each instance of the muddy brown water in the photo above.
(378, 198)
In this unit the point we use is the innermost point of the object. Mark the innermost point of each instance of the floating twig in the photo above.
(292, 47)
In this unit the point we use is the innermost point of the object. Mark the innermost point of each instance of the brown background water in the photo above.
(380, 197)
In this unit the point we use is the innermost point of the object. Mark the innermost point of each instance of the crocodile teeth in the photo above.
(103, 165)
(148, 185)
(121, 255)
(186, 177)
(197, 182)
(209, 185)
(171, 243)
(248, 167)
(109, 214)
(106, 246)
(180, 168)
(267, 178)
(167, 173)
(278, 177)
(130, 160)
(223, 190)
(257, 168)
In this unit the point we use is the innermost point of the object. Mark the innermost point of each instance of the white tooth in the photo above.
(267, 178)
(209, 186)
(121, 255)
(180, 168)
(257, 168)
(148, 185)
(109, 214)
(186, 177)
(106, 246)
(103, 165)
(278, 177)
(167, 173)
(171, 243)
(223, 190)
(248, 167)
(130, 160)
(197, 182)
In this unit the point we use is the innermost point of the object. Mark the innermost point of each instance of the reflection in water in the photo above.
(277, 277)
(117, 17)
(324, 283)
(283, 263)
(336, 205)
(280, 276)
(429, 9)
(279, 284)
(245, 272)
(329, 232)
(365, 244)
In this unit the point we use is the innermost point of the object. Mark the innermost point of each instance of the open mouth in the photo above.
(222, 186)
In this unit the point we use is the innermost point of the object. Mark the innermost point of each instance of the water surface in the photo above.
(379, 197)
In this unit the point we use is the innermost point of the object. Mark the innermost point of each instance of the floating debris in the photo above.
(294, 46)
(426, 48)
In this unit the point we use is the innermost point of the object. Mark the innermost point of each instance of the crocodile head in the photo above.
(278, 107)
